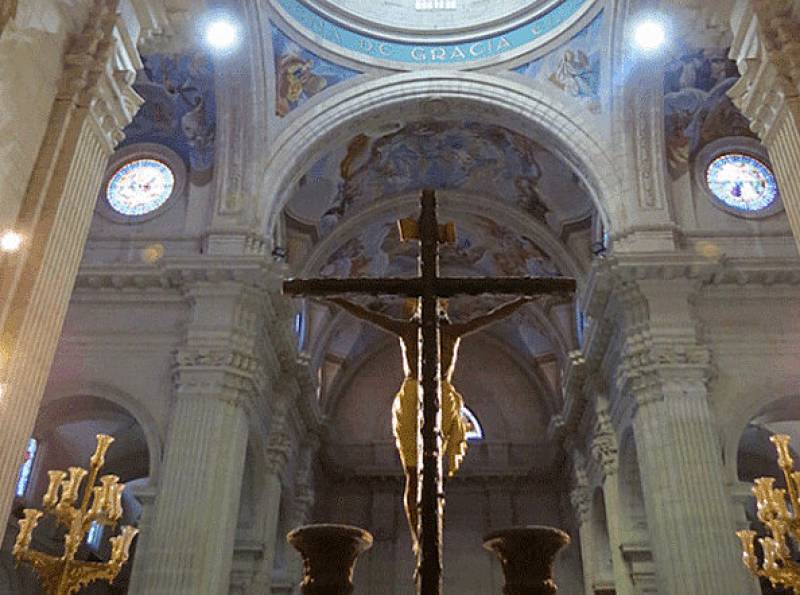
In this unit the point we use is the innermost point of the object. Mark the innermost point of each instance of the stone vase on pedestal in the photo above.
(527, 555)
(329, 555)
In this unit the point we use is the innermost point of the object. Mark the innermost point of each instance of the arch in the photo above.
(563, 128)
(57, 398)
(476, 430)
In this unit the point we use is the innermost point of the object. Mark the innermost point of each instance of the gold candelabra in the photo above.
(782, 521)
(64, 575)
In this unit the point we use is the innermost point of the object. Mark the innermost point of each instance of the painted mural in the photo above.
(697, 109)
(179, 109)
(483, 247)
(574, 68)
(522, 37)
(487, 159)
(300, 74)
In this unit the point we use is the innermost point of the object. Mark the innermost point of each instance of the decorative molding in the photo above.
(603, 444)
(580, 496)
(768, 57)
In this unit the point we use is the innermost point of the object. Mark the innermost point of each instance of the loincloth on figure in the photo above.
(404, 424)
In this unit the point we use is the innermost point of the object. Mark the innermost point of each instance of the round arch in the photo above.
(562, 128)
(120, 398)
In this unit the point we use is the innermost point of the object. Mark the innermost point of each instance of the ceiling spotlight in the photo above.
(222, 34)
(10, 241)
(649, 35)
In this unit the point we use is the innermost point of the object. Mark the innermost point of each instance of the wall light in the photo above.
(649, 35)
(10, 241)
(222, 33)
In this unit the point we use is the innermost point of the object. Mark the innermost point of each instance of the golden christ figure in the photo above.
(406, 402)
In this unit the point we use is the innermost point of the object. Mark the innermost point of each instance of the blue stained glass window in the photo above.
(94, 535)
(24, 477)
(140, 187)
(474, 429)
(300, 329)
(742, 182)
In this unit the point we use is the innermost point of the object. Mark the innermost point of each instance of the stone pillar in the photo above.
(303, 504)
(666, 371)
(94, 103)
(768, 93)
(218, 375)
(146, 497)
(580, 498)
(604, 451)
(279, 448)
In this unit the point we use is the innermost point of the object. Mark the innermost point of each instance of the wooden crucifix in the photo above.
(428, 288)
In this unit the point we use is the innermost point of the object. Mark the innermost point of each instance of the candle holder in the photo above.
(329, 555)
(64, 575)
(781, 520)
(527, 555)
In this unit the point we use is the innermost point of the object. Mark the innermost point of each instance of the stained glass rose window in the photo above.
(742, 182)
(140, 187)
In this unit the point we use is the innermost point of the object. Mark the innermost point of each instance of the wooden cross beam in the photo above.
(429, 287)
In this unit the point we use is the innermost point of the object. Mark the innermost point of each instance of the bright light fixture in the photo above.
(649, 35)
(222, 34)
(10, 241)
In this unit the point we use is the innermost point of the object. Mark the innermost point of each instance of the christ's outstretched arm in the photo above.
(386, 323)
(479, 322)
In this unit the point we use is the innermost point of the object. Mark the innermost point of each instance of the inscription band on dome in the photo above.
(518, 38)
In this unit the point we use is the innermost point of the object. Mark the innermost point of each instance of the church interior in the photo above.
(167, 164)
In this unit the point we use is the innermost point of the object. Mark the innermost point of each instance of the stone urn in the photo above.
(527, 555)
(329, 555)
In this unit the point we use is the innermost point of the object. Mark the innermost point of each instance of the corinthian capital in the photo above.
(765, 49)
(99, 69)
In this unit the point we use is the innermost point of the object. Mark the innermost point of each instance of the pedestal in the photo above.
(527, 555)
(329, 556)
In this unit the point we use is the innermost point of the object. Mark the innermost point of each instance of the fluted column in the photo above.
(279, 447)
(765, 49)
(688, 511)
(605, 452)
(146, 497)
(304, 498)
(580, 498)
(94, 102)
(218, 376)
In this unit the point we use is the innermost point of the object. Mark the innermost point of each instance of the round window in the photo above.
(140, 186)
(742, 183)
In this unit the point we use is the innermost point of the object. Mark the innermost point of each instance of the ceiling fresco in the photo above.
(573, 68)
(514, 34)
(483, 247)
(180, 108)
(473, 158)
(697, 109)
(301, 74)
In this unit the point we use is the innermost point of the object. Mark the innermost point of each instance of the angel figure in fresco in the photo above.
(406, 402)
(296, 79)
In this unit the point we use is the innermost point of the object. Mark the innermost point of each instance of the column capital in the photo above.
(765, 49)
(99, 70)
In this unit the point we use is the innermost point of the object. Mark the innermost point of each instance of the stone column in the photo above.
(218, 375)
(604, 451)
(304, 498)
(580, 498)
(765, 49)
(94, 103)
(279, 446)
(666, 371)
(146, 497)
